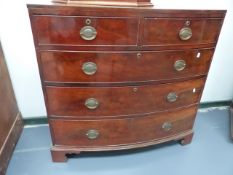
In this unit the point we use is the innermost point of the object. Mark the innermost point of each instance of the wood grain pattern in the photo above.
(115, 101)
(123, 67)
(120, 27)
(114, 132)
(59, 153)
(10, 142)
(65, 30)
(55, 9)
(119, 3)
(131, 91)
(160, 31)
(8, 105)
(10, 117)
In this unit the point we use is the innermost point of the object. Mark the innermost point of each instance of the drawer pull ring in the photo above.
(167, 126)
(91, 103)
(89, 68)
(172, 97)
(92, 134)
(179, 65)
(88, 33)
(185, 33)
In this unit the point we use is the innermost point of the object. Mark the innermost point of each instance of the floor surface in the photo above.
(210, 153)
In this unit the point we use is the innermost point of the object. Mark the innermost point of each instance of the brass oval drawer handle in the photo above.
(91, 103)
(172, 97)
(92, 134)
(167, 126)
(89, 68)
(88, 33)
(185, 33)
(179, 65)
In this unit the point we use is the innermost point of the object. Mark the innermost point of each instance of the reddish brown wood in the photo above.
(123, 67)
(154, 32)
(49, 30)
(131, 91)
(187, 139)
(58, 156)
(10, 142)
(53, 9)
(76, 150)
(115, 101)
(124, 131)
(10, 117)
(60, 26)
(120, 3)
(66, 30)
(122, 48)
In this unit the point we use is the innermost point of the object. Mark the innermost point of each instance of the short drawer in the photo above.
(180, 31)
(116, 101)
(74, 30)
(114, 132)
(123, 67)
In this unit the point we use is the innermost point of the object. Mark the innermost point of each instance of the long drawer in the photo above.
(180, 31)
(113, 132)
(116, 101)
(123, 67)
(89, 30)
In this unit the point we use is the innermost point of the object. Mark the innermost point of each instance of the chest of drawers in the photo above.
(120, 78)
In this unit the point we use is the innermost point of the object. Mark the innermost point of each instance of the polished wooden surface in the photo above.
(160, 31)
(115, 101)
(120, 3)
(135, 50)
(123, 67)
(50, 31)
(10, 117)
(125, 131)
(58, 27)
(8, 105)
(124, 30)
(66, 10)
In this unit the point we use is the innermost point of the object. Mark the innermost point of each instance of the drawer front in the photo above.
(115, 101)
(126, 67)
(180, 31)
(113, 132)
(67, 30)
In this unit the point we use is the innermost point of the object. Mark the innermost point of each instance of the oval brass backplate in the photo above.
(88, 33)
(172, 97)
(89, 68)
(91, 103)
(92, 134)
(179, 65)
(185, 33)
(167, 126)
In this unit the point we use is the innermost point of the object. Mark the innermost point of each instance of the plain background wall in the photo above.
(17, 42)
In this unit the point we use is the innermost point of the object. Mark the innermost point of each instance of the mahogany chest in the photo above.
(118, 78)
